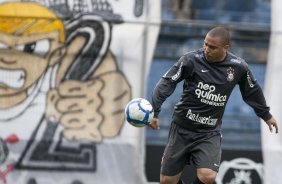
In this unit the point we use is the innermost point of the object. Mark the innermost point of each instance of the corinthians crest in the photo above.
(230, 74)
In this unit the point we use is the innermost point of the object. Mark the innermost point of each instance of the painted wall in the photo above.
(67, 70)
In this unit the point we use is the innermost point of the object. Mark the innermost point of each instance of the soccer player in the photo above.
(210, 74)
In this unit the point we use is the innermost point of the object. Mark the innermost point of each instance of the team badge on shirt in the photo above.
(230, 74)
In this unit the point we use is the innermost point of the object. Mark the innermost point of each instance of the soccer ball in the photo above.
(139, 112)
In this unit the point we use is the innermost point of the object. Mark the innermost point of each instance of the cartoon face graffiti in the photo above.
(59, 71)
(28, 46)
(34, 41)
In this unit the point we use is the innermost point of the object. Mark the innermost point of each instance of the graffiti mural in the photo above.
(62, 92)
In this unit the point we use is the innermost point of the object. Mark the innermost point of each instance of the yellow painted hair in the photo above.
(27, 18)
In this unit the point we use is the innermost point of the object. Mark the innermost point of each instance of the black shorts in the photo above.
(203, 150)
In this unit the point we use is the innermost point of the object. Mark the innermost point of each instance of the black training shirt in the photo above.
(207, 87)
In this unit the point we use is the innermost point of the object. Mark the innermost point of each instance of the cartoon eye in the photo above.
(40, 47)
(3, 46)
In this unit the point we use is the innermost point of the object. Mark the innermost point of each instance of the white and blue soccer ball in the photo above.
(139, 112)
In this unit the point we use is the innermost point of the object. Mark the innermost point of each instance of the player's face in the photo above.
(214, 50)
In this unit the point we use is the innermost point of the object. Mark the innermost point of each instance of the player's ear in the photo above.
(57, 55)
(227, 47)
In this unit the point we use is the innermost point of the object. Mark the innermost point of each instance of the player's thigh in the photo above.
(175, 154)
(207, 153)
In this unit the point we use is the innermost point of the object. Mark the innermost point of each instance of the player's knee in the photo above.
(168, 179)
(206, 176)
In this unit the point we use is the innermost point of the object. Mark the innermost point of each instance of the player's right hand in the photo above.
(272, 123)
(154, 124)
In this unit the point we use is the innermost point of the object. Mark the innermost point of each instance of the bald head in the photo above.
(222, 33)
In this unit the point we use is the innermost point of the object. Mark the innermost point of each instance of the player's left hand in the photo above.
(272, 124)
